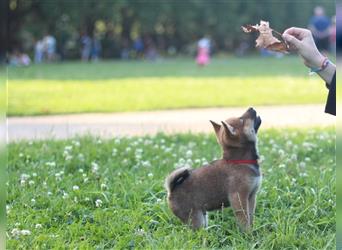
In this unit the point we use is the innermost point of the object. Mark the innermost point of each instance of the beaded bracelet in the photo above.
(324, 65)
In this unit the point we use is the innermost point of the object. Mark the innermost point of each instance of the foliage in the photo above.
(127, 86)
(174, 24)
(92, 193)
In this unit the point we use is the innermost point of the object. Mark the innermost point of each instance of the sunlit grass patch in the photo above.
(92, 193)
(33, 97)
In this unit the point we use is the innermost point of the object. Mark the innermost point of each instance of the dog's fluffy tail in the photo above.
(176, 178)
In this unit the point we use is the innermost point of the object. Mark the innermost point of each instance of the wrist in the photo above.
(317, 62)
(324, 64)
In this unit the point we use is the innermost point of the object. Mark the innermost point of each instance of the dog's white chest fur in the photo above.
(257, 182)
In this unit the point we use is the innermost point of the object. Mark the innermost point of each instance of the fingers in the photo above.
(299, 33)
(292, 41)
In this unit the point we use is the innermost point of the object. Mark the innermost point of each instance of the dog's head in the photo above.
(237, 132)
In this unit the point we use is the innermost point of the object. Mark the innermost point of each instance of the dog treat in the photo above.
(266, 39)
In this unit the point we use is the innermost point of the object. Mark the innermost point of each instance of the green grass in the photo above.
(295, 208)
(175, 83)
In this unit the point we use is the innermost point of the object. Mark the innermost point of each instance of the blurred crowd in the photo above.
(93, 46)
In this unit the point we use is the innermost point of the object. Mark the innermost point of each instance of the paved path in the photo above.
(171, 121)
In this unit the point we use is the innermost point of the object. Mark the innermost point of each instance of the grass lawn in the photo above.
(116, 86)
(91, 194)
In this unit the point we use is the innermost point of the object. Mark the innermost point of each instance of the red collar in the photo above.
(242, 161)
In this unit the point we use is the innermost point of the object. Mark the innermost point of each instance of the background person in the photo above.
(302, 41)
(203, 51)
(50, 47)
(320, 27)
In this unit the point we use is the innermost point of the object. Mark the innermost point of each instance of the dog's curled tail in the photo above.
(176, 178)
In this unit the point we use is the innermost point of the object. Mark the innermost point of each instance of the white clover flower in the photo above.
(21, 155)
(75, 188)
(307, 159)
(87, 199)
(159, 200)
(65, 195)
(33, 200)
(15, 232)
(31, 182)
(94, 167)
(81, 170)
(167, 150)
(188, 154)
(22, 183)
(281, 152)
(76, 143)
(68, 157)
(38, 226)
(146, 164)
(117, 141)
(8, 209)
(140, 232)
(80, 156)
(34, 174)
(85, 180)
(58, 176)
(25, 232)
(128, 149)
(150, 175)
(261, 158)
(302, 164)
(50, 164)
(99, 141)
(98, 203)
(24, 177)
(294, 157)
(114, 152)
(68, 148)
(49, 193)
(104, 186)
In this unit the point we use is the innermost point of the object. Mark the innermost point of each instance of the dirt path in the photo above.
(171, 121)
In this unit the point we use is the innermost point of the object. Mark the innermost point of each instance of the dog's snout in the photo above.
(252, 111)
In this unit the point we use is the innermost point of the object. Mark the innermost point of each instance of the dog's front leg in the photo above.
(239, 203)
(251, 207)
(197, 219)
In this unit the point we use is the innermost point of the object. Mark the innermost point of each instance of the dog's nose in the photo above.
(252, 111)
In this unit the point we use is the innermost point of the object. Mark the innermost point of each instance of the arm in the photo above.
(301, 40)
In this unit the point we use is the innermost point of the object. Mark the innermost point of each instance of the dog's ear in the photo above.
(229, 129)
(217, 128)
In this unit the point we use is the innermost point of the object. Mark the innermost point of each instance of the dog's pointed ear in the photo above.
(229, 129)
(216, 126)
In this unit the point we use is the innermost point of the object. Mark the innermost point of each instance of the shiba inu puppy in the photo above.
(231, 181)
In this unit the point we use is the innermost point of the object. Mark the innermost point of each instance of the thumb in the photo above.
(294, 42)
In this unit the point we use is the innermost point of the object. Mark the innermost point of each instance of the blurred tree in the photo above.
(165, 23)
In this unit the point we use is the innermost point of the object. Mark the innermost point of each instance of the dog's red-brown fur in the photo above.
(193, 192)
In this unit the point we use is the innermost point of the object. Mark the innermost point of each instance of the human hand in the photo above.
(301, 40)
